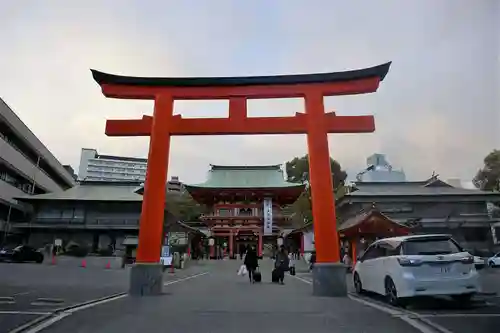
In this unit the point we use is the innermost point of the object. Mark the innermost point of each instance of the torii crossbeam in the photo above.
(315, 123)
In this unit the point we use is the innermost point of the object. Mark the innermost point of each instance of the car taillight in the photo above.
(467, 260)
(409, 262)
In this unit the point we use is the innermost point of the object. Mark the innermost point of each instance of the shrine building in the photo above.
(245, 208)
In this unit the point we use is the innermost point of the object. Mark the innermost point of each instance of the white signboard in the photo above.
(58, 242)
(165, 257)
(268, 216)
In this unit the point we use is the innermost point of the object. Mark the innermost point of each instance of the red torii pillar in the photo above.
(329, 277)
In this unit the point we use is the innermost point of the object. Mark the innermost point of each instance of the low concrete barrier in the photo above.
(90, 262)
(102, 262)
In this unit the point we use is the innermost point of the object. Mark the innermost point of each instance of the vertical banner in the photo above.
(268, 216)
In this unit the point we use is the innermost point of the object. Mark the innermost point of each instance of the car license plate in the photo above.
(445, 269)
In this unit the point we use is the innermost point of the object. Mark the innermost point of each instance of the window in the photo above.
(373, 252)
(390, 250)
(45, 213)
(430, 246)
(476, 234)
(245, 212)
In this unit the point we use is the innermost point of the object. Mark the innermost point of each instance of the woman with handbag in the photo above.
(251, 262)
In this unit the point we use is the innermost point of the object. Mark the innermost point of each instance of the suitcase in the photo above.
(292, 270)
(257, 277)
(275, 276)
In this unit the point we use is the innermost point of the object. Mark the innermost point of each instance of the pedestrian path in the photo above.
(220, 301)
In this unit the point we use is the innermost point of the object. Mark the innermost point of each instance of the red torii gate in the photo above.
(315, 123)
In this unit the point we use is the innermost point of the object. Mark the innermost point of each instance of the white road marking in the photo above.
(413, 319)
(302, 279)
(22, 293)
(68, 312)
(451, 315)
(184, 279)
(47, 323)
(7, 299)
(24, 312)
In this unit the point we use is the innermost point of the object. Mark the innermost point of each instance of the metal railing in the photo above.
(242, 216)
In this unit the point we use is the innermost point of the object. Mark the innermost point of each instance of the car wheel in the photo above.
(491, 264)
(357, 284)
(391, 293)
(39, 260)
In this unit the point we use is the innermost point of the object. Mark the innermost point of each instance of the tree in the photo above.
(297, 171)
(184, 207)
(488, 178)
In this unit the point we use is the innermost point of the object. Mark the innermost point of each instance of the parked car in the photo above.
(494, 261)
(419, 265)
(21, 253)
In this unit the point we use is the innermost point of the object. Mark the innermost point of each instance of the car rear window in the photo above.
(430, 246)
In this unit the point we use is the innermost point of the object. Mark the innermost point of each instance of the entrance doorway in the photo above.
(244, 240)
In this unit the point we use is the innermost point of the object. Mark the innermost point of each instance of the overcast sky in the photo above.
(438, 109)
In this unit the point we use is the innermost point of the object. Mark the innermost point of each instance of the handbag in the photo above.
(243, 270)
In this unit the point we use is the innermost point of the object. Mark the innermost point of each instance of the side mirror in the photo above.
(358, 258)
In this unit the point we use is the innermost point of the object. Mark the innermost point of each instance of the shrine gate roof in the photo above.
(379, 71)
(371, 222)
(245, 177)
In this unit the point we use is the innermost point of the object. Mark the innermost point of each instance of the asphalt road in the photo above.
(28, 291)
(215, 299)
(210, 296)
(483, 315)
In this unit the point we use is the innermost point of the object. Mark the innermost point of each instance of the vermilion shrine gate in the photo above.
(315, 123)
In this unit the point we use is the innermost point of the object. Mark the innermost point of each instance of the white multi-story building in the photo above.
(26, 167)
(97, 167)
(379, 170)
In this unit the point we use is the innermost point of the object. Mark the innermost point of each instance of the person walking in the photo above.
(281, 264)
(251, 262)
(312, 261)
(348, 262)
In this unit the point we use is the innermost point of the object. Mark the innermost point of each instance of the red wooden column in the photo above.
(153, 204)
(302, 244)
(320, 177)
(354, 251)
(259, 246)
(231, 245)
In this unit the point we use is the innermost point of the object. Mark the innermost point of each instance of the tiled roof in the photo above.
(241, 177)
(412, 189)
(91, 192)
(363, 216)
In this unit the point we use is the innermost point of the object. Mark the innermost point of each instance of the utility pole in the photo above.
(7, 225)
(34, 175)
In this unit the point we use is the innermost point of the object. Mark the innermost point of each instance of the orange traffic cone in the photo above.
(108, 265)
(84, 263)
(172, 267)
(53, 262)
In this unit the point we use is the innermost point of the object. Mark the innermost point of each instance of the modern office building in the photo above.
(26, 167)
(379, 170)
(95, 167)
(108, 168)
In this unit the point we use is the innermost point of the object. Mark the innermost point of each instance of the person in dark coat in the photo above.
(251, 262)
(282, 264)
(312, 260)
